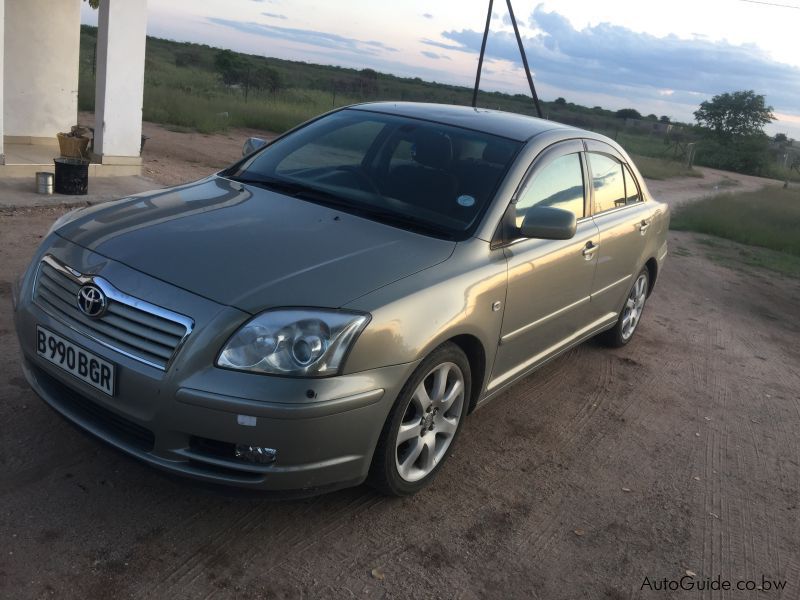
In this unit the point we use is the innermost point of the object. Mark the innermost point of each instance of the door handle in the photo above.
(643, 226)
(589, 249)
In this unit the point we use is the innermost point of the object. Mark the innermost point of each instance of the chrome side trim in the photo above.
(611, 285)
(531, 362)
(542, 320)
(112, 293)
(611, 211)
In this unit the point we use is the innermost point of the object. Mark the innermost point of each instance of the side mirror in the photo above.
(548, 223)
(252, 144)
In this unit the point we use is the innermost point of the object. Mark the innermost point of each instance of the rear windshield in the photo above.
(409, 173)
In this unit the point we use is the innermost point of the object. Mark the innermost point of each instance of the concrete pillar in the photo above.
(121, 36)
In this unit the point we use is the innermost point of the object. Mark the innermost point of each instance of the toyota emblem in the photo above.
(92, 301)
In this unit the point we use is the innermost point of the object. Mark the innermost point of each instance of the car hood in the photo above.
(251, 248)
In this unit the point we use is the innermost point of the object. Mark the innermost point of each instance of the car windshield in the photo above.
(414, 174)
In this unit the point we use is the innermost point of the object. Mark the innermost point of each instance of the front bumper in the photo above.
(189, 419)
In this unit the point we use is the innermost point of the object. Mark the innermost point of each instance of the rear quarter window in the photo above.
(632, 192)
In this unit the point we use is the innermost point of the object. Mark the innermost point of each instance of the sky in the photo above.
(658, 57)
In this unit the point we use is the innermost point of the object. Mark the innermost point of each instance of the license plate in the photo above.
(84, 365)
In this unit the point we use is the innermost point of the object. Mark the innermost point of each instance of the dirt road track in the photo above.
(679, 452)
(681, 190)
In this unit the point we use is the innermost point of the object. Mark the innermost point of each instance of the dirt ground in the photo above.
(678, 453)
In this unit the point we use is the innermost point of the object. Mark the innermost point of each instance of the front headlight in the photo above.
(295, 342)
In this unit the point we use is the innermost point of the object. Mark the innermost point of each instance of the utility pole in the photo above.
(521, 52)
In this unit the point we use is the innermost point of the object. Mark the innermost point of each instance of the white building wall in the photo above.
(40, 78)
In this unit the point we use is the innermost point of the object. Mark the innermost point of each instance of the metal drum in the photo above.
(44, 183)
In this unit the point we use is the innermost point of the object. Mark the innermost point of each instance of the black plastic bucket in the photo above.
(72, 176)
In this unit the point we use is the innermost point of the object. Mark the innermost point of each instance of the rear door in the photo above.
(549, 281)
(623, 220)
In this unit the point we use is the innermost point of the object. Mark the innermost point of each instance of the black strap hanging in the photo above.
(521, 51)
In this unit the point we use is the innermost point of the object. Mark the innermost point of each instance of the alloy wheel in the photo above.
(634, 305)
(430, 422)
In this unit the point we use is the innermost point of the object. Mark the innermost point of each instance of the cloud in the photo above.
(433, 55)
(306, 36)
(446, 46)
(635, 66)
(274, 15)
(428, 15)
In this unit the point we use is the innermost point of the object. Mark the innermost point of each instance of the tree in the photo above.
(628, 113)
(735, 114)
(732, 129)
(95, 4)
(188, 58)
(781, 138)
(652, 117)
(663, 119)
(560, 101)
(266, 78)
(368, 82)
(231, 66)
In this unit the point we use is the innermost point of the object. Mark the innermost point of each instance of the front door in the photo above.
(549, 281)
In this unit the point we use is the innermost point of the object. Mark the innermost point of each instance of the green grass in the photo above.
(768, 218)
(737, 256)
(784, 174)
(216, 112)
(663, 168)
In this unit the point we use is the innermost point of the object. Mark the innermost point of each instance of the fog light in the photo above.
(255, 454)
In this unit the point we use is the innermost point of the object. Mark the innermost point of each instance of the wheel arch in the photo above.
(476, 355)
(652, 273)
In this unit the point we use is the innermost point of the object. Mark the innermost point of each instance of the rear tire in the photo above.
(631, 313)
(423, 424)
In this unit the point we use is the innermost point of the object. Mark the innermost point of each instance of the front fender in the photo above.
(413, 316)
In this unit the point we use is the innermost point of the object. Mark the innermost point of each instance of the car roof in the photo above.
(496, 122)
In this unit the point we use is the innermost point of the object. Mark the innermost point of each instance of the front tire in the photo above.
(426, 417)
(631, 313)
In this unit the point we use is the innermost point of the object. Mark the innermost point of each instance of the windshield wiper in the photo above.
(406, 221)
(278, 185)
(296, 190)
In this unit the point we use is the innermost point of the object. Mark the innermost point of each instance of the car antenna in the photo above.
(521, 52)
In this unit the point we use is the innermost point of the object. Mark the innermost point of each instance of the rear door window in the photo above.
(608, 182)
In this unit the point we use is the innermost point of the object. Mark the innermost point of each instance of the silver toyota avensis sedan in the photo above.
(329, 309)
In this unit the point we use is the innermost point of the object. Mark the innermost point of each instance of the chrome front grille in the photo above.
(138, 329)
